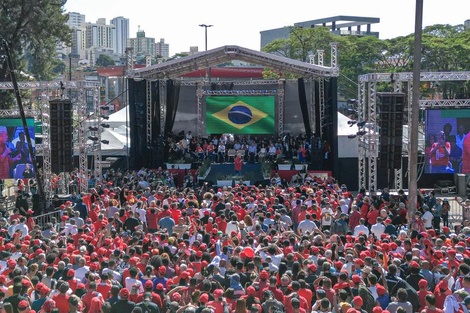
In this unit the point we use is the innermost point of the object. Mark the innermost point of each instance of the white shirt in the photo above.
(377, 229)
(326, 216)
(81, 271)
(306, 226)
(427, 218)
(361, 228)
(23, 228)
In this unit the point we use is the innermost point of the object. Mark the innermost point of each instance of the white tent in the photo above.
(118, 118)
(347, 148)
(117, 143)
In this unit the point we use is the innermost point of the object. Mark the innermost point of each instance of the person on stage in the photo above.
(440, 152)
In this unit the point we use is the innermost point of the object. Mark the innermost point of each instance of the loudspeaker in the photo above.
(390, 108)
(61, 135)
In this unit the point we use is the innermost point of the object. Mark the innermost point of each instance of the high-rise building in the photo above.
(162, 49)
(100, 35)
(142, 45)
(122, 33)
(75, 19)
(466, 24)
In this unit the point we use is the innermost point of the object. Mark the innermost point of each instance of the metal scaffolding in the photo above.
(400, 82)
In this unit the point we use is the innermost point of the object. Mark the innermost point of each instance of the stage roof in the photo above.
(202, 60)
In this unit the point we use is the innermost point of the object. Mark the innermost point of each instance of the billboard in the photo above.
(240, 114)
(15, 159)
(447, 148)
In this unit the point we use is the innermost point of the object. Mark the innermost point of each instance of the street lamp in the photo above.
(205, 29)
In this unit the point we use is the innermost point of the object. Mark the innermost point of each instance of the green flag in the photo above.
(240, 114)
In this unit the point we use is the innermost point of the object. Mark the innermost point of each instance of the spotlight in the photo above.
(105, 125)
(105, 108)
(361, 124)
(352, 136)
(93, 128)
(106, 142)
(361, 133)
(351, 123)
(93, 138)
(105, 117)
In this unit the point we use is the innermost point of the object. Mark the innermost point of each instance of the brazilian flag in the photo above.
(240, 114)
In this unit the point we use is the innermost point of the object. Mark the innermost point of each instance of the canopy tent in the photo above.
(117, 145)
(115, 120)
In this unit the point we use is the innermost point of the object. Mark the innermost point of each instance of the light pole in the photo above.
(205, 31)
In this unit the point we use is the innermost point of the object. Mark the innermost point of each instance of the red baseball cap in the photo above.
(124, 293)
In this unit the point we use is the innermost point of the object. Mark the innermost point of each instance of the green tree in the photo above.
(32, 29)
(104, 60)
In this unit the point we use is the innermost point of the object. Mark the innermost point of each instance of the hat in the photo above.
(81, 286)
(312, 267)
(414, 264)
(162, 269)
(175, 297)
(44, 290)
(356, 279)
(380, 290)
(263, 274)
(39, 286)
(48, 305)
(218, 293)
(124, 293)
(423, 283)
(71, 273)
(357, 300)
(159, 286)
(23, 305)
(184, 275)
(204, 298)
(251, 291)
(29, 212)
(149, 284)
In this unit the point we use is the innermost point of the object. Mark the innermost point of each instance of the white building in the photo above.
(162, 49)
(122, 34)
(75, 19)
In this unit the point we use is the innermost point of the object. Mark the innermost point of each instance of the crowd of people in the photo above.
(254, 149)
(131, 245)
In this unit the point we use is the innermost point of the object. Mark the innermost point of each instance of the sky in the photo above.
(240, 22)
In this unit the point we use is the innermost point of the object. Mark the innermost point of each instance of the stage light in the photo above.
(105, 117)
(105, 125)
(105, 108)
(93, 138)
(106, 142)
(352, 136)
(361, 133)
(93, 128)
(351, 123)
(361, 124)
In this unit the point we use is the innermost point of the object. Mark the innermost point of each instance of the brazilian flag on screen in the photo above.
(240, 114)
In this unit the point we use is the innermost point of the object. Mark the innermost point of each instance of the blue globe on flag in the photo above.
(240, 115)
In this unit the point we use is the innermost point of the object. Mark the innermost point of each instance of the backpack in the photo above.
(367, 297)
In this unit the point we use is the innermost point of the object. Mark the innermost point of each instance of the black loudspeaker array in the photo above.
(391, 112)
(61, 135)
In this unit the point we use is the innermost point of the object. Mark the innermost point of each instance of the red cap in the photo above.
(263, 274)
(251, 291)
(357, 300)
(312, 267)
(81, 286)
(414, 264)
(204, 298)
(356, 279)
(423, 283)
(451, 252)
(159, 286)
(162, 269)
(184, 275)
(380, 290)
(23, 305)
(377, 309)
(71, 272)
(218, 293)
(44, 290)
(39, 286)
(149, 284)
(124, 293)
(175, 297)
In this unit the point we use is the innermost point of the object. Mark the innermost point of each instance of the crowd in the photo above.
(131, 245)
(254, 149)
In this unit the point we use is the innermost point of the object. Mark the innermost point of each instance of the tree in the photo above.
(104, 60)
(32, 29)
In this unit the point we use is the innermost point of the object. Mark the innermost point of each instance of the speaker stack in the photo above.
(61, 135)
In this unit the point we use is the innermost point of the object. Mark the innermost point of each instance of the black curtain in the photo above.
(173, 94)
(303, 106)
(317, 108)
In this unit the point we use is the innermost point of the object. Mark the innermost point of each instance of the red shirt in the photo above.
(62, 303)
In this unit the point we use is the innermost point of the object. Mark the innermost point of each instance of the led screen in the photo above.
(447, 148)
(240, 114)
(15, 159)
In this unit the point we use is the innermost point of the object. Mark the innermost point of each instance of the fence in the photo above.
(456, 211)
(42, 219)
